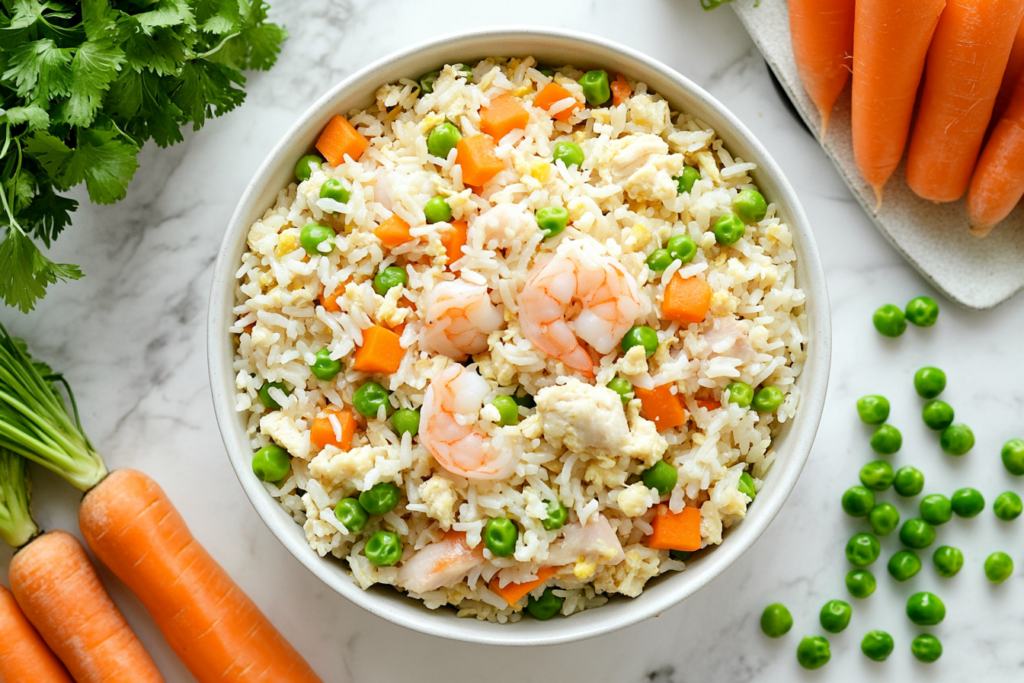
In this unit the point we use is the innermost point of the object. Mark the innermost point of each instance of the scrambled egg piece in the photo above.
(440, 498)
(642, 166)
(339, 467)
(628, 577)
(634, 500)
(634, 362)
(283, 431)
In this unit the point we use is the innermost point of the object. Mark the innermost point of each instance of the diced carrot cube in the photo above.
(330, 302)
(552, 93)
(513, 592)
(475, 154)
(708, 403)
(620, 90)
(323, 434)
(380, 351)
(393, 231)
(686, 299)
(675, 531)
(661, 406)
(340, 138)
(502, 116)
(454, 239)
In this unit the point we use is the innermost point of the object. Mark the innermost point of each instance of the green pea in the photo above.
(861, 583)
(947, 561)
(936, 509)
(729, 229)
(926, 648)
(437, 210)
(956, 439)
(998, 567)
(384, 549)
(925, 609)
(682, 248)
(369, 398)
(442, 140)
(740, 393)
(557, 515)
(552, 220)
(659, 260)
(862, 550)
(886, 440)
(1012, 454)
(334, 189)
(315, 235)
(681, 555)
(813, 652)
(922, 311)
(909, 481)
(904, 565)
(595, 87)
(508, 410)
(768, 400)
(641, 335)
(873, 409)
(877, 475)
(406, 421)
(427, 81)
(392, 276)
(967, 503)
(271, 463)
(877, 645)
(661, 477)
(380, 499)
(266, 399)
(569, 153)
(929, 382)
(835, 616)
(524, 399)
(883, 519)
(550, 73)
(546, 606)
(917, 533)
(465, 71)
(889, 321)
(746, 486)
(684, 182)
(500, 536)
(750, 206)
(776, 620)
(858, 501)
(304, 168)
(937, 414)
(351, 514)
(324, 368)
(623, 388)
(1007, 506)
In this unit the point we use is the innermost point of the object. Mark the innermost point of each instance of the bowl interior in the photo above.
(554, 47)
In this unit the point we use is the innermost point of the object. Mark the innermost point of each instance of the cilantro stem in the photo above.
(218, 46)
(16, 524)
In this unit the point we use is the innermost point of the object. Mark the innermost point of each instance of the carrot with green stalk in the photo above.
(131, 525)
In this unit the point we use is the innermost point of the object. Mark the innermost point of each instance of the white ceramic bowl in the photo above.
(553, 47)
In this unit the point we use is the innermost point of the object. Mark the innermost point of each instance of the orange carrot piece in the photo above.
(966, 62)
(216, 630)
(709, 403)
(380, 351)
(24, 656)
(330, 303)
(823, 47)
(502, 116)
(890, 43)
(998, 182)
(475, 154)
(393, 231)
(661, 406)
(454, 239)
(675, 531)
(513, 592)
(1013, 73)
(686, 299)
(552, 93)
(322, 433)
(58, 590)
(620, 90)
(340, 138)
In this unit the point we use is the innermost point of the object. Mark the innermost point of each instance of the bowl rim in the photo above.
(674, 589)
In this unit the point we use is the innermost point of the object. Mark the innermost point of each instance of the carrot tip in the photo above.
(980, 231)
(878, 197)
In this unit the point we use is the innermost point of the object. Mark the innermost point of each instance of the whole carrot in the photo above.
(998, 182)
(966, 62)
(58, 590)
(216, 630)
(1014, 69)
(24, 656)
(822, 34)
(890, 42)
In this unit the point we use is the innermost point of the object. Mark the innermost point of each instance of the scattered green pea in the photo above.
(682, 247)
(904, 565)
(271, 463)
(957, 439)
(917, 533)
(862, 550)
(889, 321)
(922, 311)
(746, 486)
(465, 71)
(508, 410)
(684, 182)
(384, 549)
(929, 382)
(936, 509)
(998, 567)
(557, 515)
(835, 616)
(369, 398)
(776, 620)
(595, 87)
(427, 81)
(380, 499)
(304, 168)
(569, 153)
(266, 399)
(860, 583)
(750, 206)
(877, 475)
(883, 519)
(1007, 506)
(351, 514)
(437, 210)
(641, 335)
(937, 415)
(324, 368)
(925, 609)
(661, 477)
(873, 409)
(926, 648)
(552, 220)
(334, 189)
(681, 555)
(740, 393)
(729, 229)
(877, 645)
(947, 560)
(315, 235)
(623, 388)
(659, 260)
(858, 501)
(406, 421)
(909, 481)
(500, 536)
(522, 398)
(442, 140)
(768, 400)
(1012, 454)
(813, 652)
(967, 503)
(886, 440)
(546, 606)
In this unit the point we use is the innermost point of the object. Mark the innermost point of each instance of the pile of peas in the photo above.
(916, 534)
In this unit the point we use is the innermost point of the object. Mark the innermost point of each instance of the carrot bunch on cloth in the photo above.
(966, 61)
(890, 43)
(998, 182)
(822, 34)
(1014, 70)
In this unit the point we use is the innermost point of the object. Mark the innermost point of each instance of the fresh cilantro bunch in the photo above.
(83, 85)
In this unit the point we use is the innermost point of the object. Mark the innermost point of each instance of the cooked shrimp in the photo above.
(451, 406)
(607, 293)
(442, 563)
(459, 318)
(505, 224)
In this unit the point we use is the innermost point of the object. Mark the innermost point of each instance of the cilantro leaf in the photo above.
(105, 163)
(25, 273)
(22, 188)
(48, 214)
(160, 51)
(166, 13)
(93, 68)
(33, 116)
(51, 153)
(40, 69)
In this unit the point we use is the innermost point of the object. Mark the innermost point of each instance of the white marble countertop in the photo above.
(131, 338)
